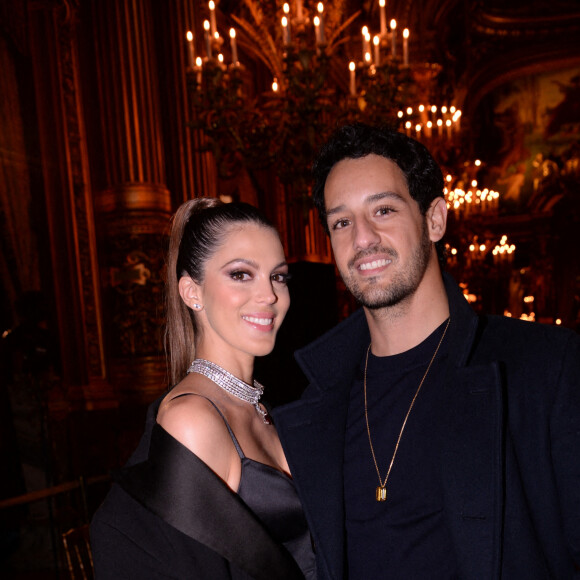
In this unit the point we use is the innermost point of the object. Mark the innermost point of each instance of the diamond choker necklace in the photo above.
(231, 384)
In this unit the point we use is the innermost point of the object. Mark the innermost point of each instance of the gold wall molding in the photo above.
(134, 197)
(53, 37)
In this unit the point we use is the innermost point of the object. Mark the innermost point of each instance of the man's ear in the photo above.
(190, 293)
(437, 219)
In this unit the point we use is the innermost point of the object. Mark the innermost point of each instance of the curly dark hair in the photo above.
(353, 141)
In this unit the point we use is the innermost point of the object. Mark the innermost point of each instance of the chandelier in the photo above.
(269, 85)
(464, 195)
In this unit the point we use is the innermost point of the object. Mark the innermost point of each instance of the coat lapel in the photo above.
(471, 463)
(312, 434)
(312, 431)
(178, 487)
(472, 453)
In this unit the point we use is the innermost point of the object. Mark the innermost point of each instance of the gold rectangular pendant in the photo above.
(381, 493)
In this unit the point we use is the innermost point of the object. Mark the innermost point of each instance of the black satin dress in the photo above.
(271, 495)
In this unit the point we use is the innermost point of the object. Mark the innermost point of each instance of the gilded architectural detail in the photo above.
(79, 183)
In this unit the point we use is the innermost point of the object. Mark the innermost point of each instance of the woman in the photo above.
(207, 494)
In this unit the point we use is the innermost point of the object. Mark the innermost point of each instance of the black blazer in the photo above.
(510, 462)
(169, 516)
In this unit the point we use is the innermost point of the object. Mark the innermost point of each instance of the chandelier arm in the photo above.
(256, 43)
(332, 42)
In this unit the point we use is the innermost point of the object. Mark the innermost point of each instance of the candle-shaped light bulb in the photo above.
(365, 40)
(394, 37)
(352, 68)
(206, 27)
(234, 46)
(320, 9)
(316, 21)
(286, 8)
(406, 47)
(198, 62)
(275, 86)
(220, 57)
(285, 31)
(457, 119)
(382, 5)
(368, 58)
(376, 44)
(211, 5)
(365, 32)
(190, 49)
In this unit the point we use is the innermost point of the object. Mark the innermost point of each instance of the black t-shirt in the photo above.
(405, 536)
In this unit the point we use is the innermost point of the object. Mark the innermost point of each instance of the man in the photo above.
(430, 443)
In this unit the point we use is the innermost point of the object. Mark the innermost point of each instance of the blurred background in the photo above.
(114, 112)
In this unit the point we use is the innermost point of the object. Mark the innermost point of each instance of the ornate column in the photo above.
(132, 201)
(53, 37)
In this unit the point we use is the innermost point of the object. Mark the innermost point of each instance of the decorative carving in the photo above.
(535, 18)
(135, 253)
(78, 181)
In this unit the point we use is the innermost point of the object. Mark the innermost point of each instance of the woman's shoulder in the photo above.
(196, 423)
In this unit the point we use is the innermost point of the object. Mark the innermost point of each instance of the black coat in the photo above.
(510, 461)
(169, 516)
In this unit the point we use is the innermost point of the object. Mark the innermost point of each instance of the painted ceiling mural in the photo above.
(531, 129)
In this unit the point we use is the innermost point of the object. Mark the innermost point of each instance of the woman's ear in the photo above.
(190, 293)
(437, 219)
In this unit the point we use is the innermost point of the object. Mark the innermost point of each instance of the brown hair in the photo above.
(199, 227)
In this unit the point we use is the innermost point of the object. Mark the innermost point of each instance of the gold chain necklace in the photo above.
(381, 492)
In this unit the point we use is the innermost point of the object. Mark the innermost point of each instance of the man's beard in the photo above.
(401, 286)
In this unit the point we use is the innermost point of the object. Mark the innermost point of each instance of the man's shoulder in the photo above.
(532, 329)
(526, 338)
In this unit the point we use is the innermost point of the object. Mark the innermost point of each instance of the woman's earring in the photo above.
(197, 306)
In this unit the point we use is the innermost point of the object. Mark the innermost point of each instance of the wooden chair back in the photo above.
(77, 549)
